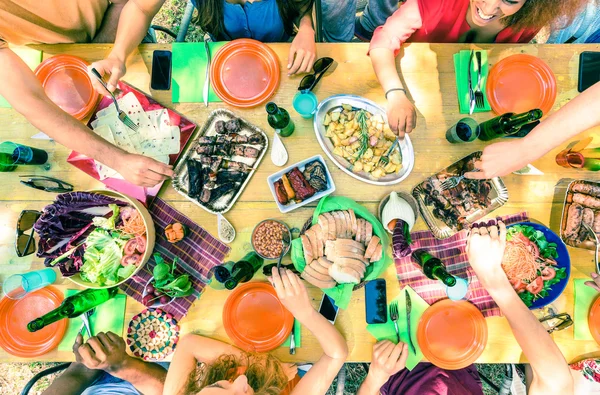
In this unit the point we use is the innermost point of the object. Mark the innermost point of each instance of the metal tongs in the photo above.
(595, 236)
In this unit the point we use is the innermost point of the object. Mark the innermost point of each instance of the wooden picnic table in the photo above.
(428, 72)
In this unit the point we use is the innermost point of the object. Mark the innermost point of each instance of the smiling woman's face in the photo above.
(239, 386)
(484, 12)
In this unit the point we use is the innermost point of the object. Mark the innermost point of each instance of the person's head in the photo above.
(251, 374)
(210, 14)
(521, 14)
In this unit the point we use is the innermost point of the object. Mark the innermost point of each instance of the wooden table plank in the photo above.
(429, 74)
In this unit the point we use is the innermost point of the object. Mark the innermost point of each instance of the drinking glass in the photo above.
(18, 285)
(465, 130)
(12, 154)
(305, 104)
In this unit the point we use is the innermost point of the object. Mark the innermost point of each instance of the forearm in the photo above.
(306, 23)
(133, 25)
(108, 29)
(370, 386)
(551, 371)
(384, 65)
(148, 378)
(24, 92)
(333, 343)
(575, 117)
(74, 380)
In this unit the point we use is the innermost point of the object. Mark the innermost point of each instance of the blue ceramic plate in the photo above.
(563, 260)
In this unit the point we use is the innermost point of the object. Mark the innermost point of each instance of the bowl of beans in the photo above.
(269, 237)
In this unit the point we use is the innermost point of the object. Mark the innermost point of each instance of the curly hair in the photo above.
(540, 13)
(264, 372)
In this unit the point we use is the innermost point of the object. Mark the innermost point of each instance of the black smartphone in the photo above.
(589, 69)
(376, 301)
(161, 71)
(328, 309)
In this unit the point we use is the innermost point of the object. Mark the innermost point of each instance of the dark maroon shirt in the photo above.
(427, 379)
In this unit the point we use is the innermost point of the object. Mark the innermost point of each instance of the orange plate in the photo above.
(245, 73)
(594, 320)
(452, 335)
(521, 83)
(16, 314)
(255, 319)
(67, 84)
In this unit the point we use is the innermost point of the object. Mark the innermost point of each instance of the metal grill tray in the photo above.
(587, 244)
(224, 203)
(498, 197)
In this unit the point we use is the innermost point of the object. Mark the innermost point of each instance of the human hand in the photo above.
(292, 293)
(112, 66)
(401, 113)
(290, 370)
(105, 351)
(595, 283)
(142, 170)
(302, 52)
(485, 249)
(500, 159)
(388, 359)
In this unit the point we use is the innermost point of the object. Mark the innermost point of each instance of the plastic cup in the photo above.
(459, 290)
(465, 131)
(18, 285)
(305, 104)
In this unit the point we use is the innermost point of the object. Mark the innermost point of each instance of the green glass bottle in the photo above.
(433, 267)
(221, 273)
(280, 120)
(244, 270)
(74, 306)
(507, 124)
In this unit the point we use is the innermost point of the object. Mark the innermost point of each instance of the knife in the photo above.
(293, 340)
(471, 92)
(207, 79)
(408, 309)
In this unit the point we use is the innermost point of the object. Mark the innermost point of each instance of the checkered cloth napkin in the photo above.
(452, 252)
(196, 255)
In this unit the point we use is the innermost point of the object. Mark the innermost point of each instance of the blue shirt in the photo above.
(259, 20)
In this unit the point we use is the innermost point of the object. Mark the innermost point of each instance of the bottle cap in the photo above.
(459, 290)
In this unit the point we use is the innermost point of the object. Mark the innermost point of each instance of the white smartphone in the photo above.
(328, 309)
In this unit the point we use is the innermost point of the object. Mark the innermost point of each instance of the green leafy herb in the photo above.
(102, 257)
(108, 223)
(361, 118)
(166, 282)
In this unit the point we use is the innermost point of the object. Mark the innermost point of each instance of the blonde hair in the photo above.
(264, 372)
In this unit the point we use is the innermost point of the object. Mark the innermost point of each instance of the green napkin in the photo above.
(584, 297)
(189, 72)
(31, 57)
(297, 334)
(461, 65)
(388, 332)
(109, 316)
(342, 293)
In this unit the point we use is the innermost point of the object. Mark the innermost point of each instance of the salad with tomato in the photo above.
(530, 263)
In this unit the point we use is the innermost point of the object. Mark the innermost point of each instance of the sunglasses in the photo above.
(319, 68)
(556, 322)
(24, 243)
(47, 184)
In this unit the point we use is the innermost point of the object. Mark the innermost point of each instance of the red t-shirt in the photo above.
(434, 21)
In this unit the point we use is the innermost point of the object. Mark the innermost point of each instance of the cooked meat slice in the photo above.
(371, 247)
(344, 275)
(368, 233)
(332, 232)
(319, 268)
(322, 220)
(317, 283)
(587, 201)
(314, 273)
(377, 254)
(587, 189)
(355, 264)
(574, 217)
(312, 236)
(325, 262)
(319, 234)
(330, 249)
(353, 222)
(307, 248)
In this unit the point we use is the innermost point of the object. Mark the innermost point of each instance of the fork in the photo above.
(86, 321)
(452, 182)
(394, 318)
(385, 159)
(122, 116)
(595, 238)
(479, 102)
